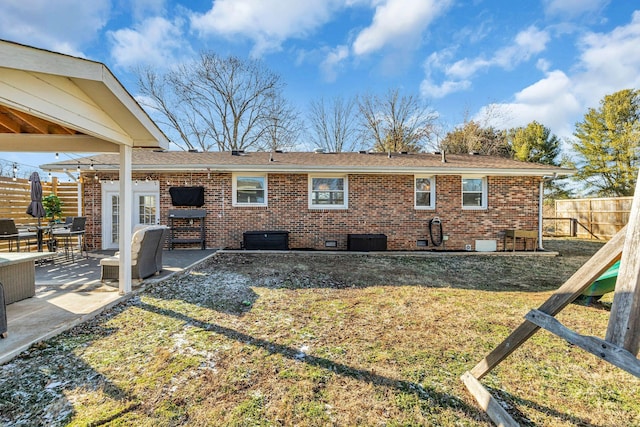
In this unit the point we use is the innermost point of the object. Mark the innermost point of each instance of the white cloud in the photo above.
(432, 65)
(550, 101)
(268, 23)
(458, 75)
(466, 68)
(573, 8)
(526, 44)
(333, 61)
(65, 27)
(396, 23)
(155, 41)
(608, 62)
(428, 89)
(144, 8)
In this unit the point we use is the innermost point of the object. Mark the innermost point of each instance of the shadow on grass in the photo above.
(34, 386)
(428, 394)
(593, 302)
(508, 399)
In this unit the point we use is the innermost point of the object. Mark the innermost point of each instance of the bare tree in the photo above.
(396, 123)
(174, 116)
(333, 124)
(214, 102)
(283, 127)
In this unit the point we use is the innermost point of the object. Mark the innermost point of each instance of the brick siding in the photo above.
(377, 204)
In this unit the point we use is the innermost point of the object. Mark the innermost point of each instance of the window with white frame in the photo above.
(474, 192)
(250, 190)
(425, 192)
(328, 192)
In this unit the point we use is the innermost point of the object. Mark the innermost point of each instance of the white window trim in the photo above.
(485, 195)
(234, 189)
(325, 207)
(432, 206)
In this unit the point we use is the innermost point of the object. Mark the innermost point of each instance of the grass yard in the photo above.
(315, 340)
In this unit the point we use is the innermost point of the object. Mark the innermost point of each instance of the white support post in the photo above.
(124, 233)
(80, 202)
(79, 212)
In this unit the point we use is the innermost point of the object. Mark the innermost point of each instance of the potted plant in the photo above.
(53, 207)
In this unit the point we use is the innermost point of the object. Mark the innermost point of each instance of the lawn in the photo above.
(320, 340)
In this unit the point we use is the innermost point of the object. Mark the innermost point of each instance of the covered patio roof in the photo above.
(51, 102)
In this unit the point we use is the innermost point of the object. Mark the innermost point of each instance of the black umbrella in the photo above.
(35, 208)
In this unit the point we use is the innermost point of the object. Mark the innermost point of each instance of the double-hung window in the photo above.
(328, 192)
(425, 192)
(249, 190)
(474, 192)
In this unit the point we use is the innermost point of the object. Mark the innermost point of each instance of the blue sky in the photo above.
(504, 63)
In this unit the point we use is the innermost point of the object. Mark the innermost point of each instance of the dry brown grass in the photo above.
(312, 340)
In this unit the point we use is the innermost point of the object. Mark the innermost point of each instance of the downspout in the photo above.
(541, 207)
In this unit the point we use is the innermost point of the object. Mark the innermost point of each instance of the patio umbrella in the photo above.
(35, 208)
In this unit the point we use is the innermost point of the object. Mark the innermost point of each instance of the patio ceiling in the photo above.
(55, 102)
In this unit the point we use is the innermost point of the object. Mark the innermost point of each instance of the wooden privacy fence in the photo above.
(15, 197)
(587, 218)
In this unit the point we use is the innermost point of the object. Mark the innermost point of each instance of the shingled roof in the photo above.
(305, 162)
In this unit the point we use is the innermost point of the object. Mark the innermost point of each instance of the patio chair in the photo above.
(161, 243)
(146, 254)
(9, 231)
(66, 234)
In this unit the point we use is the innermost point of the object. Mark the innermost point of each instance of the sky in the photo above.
(504, 63)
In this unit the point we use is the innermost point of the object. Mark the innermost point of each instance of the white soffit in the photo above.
(76, 94)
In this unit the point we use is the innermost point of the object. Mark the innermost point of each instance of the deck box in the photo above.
(266, 240)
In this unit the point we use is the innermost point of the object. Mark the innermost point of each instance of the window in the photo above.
(425, 192)
(474, 193)
(146, 209)
(250, 190)
(328, 192)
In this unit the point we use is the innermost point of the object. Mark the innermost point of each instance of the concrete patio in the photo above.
(70, 293)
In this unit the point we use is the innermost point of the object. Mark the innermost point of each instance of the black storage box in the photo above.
(266, 240)
(366, 242)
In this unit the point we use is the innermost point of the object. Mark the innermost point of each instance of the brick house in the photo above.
(321, 198)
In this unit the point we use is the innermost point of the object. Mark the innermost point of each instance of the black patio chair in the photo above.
(9, 231)
(67, 234)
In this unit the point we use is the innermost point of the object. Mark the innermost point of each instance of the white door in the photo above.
(146, 208)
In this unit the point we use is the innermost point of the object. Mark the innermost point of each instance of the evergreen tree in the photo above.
(607, 145)
(472, 137)
(534, 143)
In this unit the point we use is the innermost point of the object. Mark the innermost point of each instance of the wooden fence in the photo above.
(15, 197)
(587, 218)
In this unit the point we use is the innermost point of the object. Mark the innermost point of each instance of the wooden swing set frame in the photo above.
(622, 341)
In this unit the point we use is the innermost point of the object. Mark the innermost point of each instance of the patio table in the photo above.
(18, 274)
